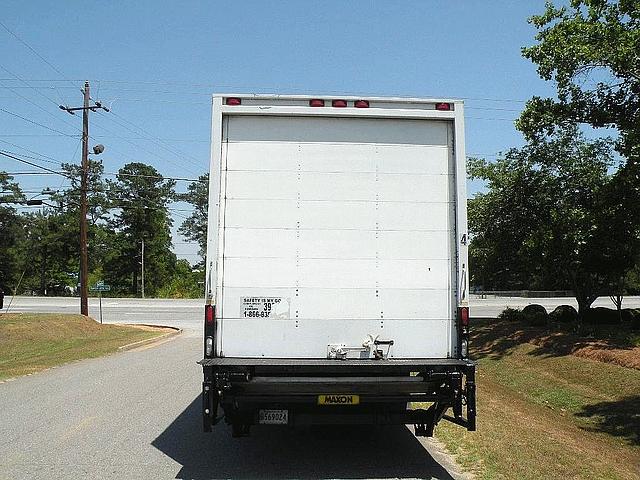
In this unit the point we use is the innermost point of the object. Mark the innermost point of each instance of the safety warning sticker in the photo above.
(265, 307)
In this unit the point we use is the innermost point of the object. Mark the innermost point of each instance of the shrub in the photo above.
(631, 315)
(511, 315)
(564, 314)
(602, 316)
(535, 314)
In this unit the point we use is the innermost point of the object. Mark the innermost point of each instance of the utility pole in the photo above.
(84, 256)
(143, 268)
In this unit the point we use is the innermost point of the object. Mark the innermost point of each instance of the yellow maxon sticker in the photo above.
(338, 399)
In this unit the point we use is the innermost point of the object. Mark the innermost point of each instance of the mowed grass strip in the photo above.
(546, 415)
(33, 342)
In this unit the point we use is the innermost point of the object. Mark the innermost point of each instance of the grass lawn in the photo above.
(545, 414)
(33, 342)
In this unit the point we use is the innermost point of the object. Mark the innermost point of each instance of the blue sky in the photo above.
(156, 64)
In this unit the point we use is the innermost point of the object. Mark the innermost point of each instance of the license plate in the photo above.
(273, 417)
(338, 399)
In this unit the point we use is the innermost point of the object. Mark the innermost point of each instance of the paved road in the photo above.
(188, 314)
(491, 306)
(136, 415)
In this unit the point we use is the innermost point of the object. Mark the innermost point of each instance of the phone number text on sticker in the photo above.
(264, 307)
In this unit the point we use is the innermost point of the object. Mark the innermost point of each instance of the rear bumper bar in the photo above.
(326, 366)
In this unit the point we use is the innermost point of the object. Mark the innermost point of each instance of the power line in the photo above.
(32, 87)
(32, 173)
(138, 146)
(28, 100)
(12, 155)
(96, 137)
(491, 119)
(31, 191)
(473, 154)
(35, 52)
(32, 164)
(51, 159)
(154, 176)
(154, 139)
(34, 158)
(27, 84)
(213, 87)
(110, 174)
(38, 124)
(494, 109)
(174, 151)
(31, 135)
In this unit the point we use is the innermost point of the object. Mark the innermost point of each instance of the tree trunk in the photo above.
(43, 272)
(134, 282)
(584, 305)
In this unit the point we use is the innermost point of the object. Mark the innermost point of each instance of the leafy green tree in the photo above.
(554, 214)
(632, 281)
(591, 50)
(50, 262)
(187, 282)
(99, 235)
(503, 254)
(142, 197)
(194, 228)
(97, 199)
(11, 233)
(52, 235)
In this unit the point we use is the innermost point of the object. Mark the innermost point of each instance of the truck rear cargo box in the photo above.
(336, 259)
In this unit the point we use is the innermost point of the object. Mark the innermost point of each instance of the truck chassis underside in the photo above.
(385, 388)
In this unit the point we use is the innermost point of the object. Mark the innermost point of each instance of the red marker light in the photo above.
(209, 314)
(339, 103)
(464, 316)
(443, 107)
(361, 104)
(316, 102)
(233, 101)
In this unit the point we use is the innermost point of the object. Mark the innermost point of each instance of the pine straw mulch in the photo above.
(497, 338)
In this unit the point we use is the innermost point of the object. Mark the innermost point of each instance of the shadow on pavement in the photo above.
(274, 452)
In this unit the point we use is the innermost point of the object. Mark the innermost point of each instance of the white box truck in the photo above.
(336, 270)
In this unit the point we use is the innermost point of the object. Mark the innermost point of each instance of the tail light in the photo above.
(233, 101)
(209, 330)
(316, 102)
(361, 104)
(443, 106)
(464, 316)
(463, 332)
(339, 103)
(209, 314)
